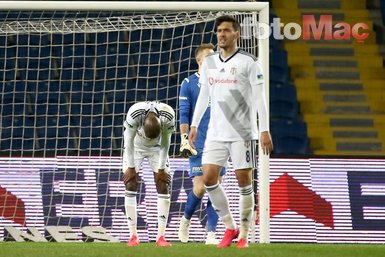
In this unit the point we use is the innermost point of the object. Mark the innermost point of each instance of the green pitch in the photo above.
(13, 249)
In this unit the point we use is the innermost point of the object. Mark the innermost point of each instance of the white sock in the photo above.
(246, 209)
(130, 206)
(163, 211)
(221, 205)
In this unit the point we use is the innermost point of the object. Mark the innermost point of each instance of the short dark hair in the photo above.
(152, 125)
(227, 18)
(203, 47)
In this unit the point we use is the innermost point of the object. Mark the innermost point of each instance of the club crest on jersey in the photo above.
(233, 71)
(247, 144)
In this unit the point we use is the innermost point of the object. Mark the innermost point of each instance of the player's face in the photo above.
(226, 35)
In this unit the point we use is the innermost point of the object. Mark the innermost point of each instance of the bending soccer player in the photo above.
(187, 99)
(148, 128)
(232, 82)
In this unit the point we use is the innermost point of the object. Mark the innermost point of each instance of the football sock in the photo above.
(163, 211)
(221, 204)
(130, 207)
(212, 217)
(191, 205)
(246, 209)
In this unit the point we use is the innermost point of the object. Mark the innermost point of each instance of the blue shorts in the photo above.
(196, 167)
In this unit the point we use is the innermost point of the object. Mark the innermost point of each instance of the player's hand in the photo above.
(128, 174)
(192, 137)
(164, 176)
(266, 143)
(186, 150)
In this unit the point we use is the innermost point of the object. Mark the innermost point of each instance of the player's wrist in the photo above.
(184, 136)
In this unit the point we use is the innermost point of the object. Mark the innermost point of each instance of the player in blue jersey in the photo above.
(187, 99)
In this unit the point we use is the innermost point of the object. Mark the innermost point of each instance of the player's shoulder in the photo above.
(193, 78)
(137, 109)
(166, 111)
(247, 56)
(211, 56)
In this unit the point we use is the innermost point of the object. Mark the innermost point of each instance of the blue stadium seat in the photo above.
(74, 62)
(35, 63)
(86, 103)
(113, 61)
(7, 63)
(54, 133)
(107, 37)
(15, 103)
(49, 103)
(209, 27)
(382, 7)
(95, 133)
(17, 133)
(283, 101)
(68, 39)
(289, 137)
(279, 68)
(8, 72)
(32, 39)
(278, 57)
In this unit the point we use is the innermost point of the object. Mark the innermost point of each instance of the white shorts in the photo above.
(153, 160)
(243, 153)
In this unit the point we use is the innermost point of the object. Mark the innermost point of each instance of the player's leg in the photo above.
(212, 221)
(130, 204)
(194, 198)
(243, 156)
(163, 184)
(214, 158)
(212, 217)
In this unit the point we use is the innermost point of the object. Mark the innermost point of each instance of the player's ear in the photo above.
(238, 34)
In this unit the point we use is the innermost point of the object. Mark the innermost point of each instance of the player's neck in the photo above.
(227, 52)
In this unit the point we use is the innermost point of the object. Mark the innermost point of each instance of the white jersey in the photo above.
(234, 88)
(134, 137)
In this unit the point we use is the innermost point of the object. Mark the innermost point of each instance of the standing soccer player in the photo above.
(187, 99)
(232, 81)
(148, 128)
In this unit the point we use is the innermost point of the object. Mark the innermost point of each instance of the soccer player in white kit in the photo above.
(232, 81)
(148, 128)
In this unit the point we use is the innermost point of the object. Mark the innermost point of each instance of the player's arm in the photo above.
(167, 129)
(257, 88)
(130, 127)
(200, 107)
(185, 149)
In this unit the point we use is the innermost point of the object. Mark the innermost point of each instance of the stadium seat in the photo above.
(17, 133)
(382, 8)
(75, 62)
(31, 39)
(283, 101)
(68, 39)
(278, 57)
(107, 37)
(7, 63)
(49, 103)
(15, 103)
(289, 137)
(34, 63)
(54, 134)
(8, 73)
(95, 133)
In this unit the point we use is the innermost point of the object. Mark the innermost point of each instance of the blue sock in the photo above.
(191, 205)
(212, 217)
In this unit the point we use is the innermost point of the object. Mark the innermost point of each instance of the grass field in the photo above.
(13, 249)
